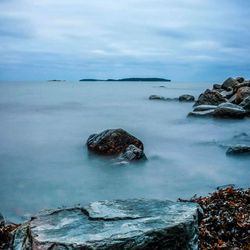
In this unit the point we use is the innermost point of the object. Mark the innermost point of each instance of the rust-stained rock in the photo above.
(210, 97)
(114, 142)
(242, 93)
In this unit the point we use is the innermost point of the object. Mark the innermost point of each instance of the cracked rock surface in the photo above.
(119, 224)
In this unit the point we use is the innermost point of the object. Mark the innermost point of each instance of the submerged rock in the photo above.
(186, 98)
(157, 97)
(239, 150)
(116, 142)
(121, 224)
(210, 97)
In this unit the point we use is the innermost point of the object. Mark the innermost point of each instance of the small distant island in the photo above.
(133, 79)
(55, 80)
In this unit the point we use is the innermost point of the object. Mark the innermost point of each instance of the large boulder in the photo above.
(229, 83)
(116, 143)
(229, 110)
(210, 97)
(216, 86)
(120, 224)
(186, 98)
(242, 93)
(239, 150)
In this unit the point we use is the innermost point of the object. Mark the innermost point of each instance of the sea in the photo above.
(44, 162)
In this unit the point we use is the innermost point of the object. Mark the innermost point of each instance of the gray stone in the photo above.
(227, 94)
(121, 224)
(186, 98)
(204, 107)
(239, 150)
(246, 103)
(131, 153)
(230, 105)
(240, 79)
(157, 97)
(205, 113)
(229, 83)
(2, 222)
(216, 86)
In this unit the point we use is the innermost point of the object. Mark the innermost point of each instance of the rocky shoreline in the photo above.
(222, 217)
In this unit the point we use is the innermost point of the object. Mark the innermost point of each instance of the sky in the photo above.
(182, 40)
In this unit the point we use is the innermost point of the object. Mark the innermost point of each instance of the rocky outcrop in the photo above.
(239, 150)
(210, 97)
(220, 102)
(121, 224)
(116, 143)
(186, 98)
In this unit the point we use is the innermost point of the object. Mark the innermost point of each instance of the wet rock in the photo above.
(241, 94)
(205, 113)
(240, 79)
(113, 142)
(210, 97)
(229, 110)
(239, 150)
(227, 94)
(162, 98)
(157, 97)
(2, 222)
(245, 103)
(217, 86)
(232, 98)
(229, 83)
(186, 98)
(204, 107)
(122, 224)
(131, 153)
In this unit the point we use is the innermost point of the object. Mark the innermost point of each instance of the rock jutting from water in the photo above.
(119, 224)
(116, 143)
(186, 98)
(221, 101)
(238, 150)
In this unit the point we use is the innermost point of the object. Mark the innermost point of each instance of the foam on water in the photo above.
(44, 162)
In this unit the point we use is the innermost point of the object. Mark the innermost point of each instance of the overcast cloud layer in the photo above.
(185, 40)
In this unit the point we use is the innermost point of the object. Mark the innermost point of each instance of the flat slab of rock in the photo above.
(120, 224)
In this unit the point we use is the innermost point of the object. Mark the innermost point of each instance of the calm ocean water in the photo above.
(44, 162)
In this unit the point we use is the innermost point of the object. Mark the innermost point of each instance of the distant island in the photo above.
(55, 80)
(133, 79)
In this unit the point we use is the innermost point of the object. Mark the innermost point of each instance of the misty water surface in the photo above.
(44, 162)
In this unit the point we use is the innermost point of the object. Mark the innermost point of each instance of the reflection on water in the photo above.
(44, 162)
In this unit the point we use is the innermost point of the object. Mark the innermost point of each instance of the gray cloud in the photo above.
(95, 38)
